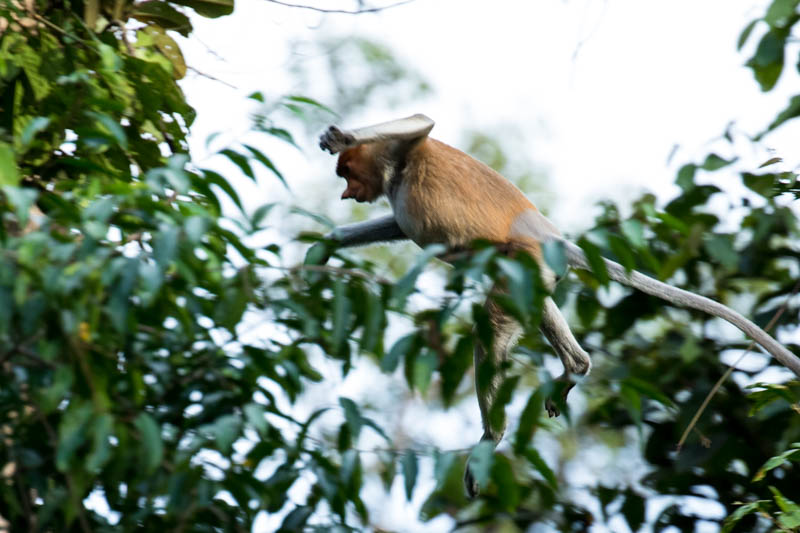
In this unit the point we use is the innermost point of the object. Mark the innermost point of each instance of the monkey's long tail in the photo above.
(577, 259)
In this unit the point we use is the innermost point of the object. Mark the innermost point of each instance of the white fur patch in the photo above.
(532, 224)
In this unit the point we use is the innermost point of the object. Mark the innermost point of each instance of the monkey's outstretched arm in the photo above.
(577, 259)
(336, 140)
(381, 229)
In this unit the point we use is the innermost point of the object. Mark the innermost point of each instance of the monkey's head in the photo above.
(357, 166)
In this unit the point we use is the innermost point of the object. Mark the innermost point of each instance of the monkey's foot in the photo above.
(551, 408)
(563, 385)
(470, 484)
(335, 140)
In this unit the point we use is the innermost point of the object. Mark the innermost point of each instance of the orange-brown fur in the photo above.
(451, 198)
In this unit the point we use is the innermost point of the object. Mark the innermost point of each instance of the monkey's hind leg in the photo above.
(489, 375)
(573, 357)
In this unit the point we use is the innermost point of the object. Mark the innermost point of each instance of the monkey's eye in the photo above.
(343, 169)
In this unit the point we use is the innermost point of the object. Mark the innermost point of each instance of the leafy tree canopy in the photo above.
(130, 372)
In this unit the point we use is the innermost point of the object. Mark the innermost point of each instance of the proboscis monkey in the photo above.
(441, 195)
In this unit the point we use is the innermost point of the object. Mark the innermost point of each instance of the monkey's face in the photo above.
(363, 184)
(356, 190)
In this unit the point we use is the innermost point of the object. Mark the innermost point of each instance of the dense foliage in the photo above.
(130, 373)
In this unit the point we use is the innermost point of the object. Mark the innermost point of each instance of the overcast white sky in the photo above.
(602, 90)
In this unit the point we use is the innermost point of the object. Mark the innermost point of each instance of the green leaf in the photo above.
(633, 510)
(685, 179)
(378, 429)
(240, 161)
(34, 126)
(260, 214)
(208, 8)
(216, 179)
(352, 416)
(648, 389)
(296, 519)
(480, 460)
(633, 402)
(341, 315)
(311, 102)
(767, 63)
(405, 286)
(528, 420)
(373, 322)
(422, 372)
(770, 161)
(633, 230)
(507, 487)
(255, 414)
(497, 414)
(714, 162)
(22, 198)
(101, 444)
(746, 34)
(622, 251)
(538, 463)
(399, 349)
(164, 15)
(763, 184)
(318, 254)
(264, 160)
(595, 260)
(320, 219)
(410, 470)
(555, 256)
(443, 462)
(455, 367)
(789, 517)
(152, 447)
(169, 48)
(779, 11)
(226, 430)
(791, 111)
(165, 245)
(9, 175)
(53, 395)
(741, 512)
(72, 433)
(778, 460)
(281, 134)
(111, 127)
(720, 247)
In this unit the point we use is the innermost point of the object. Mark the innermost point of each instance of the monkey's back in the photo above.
(446, 196)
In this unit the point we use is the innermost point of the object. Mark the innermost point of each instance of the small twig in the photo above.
(33, 356)
(341, 11)
(125, 41)
(80, 509)
(62, 31)
(335, 270)
(212, 78)
(731, 368)
(393, 451)
(525, 515)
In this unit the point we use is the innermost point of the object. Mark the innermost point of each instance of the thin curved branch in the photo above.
(341, 11)
(732, 367)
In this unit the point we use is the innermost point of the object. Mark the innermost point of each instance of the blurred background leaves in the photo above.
(154, 358)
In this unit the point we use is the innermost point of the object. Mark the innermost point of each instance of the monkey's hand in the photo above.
(335, 140)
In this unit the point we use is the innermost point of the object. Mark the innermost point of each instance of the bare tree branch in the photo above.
(731, 368)
(342, 11)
